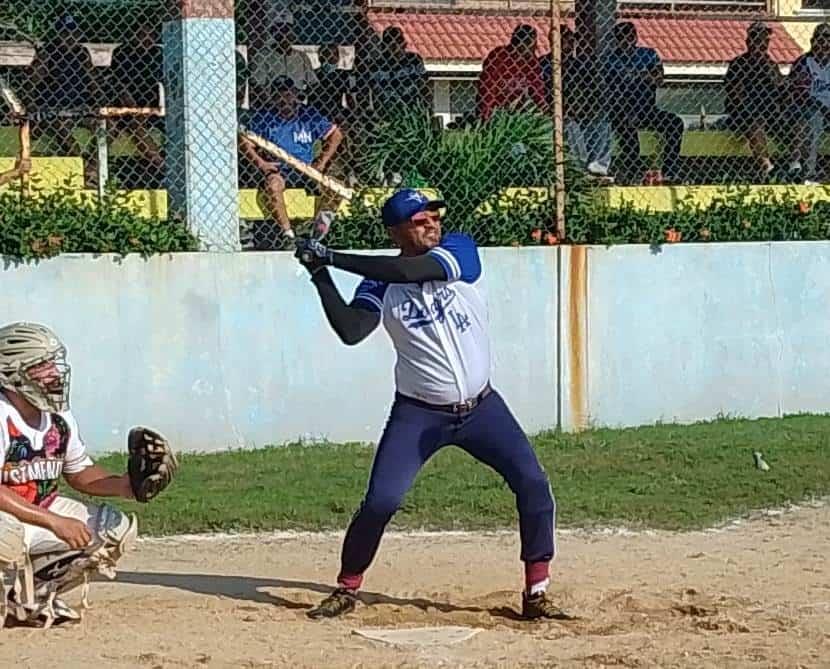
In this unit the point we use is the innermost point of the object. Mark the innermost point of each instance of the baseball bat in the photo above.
(315, 175)
(319, 229)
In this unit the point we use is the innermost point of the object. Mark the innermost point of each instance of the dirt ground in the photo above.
(755, 594)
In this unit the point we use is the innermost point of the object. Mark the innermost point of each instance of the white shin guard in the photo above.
(50, 574)
(13, 560)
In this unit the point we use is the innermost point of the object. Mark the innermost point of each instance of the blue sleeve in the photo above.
(369, 295)
(320, 125)
(458, 255)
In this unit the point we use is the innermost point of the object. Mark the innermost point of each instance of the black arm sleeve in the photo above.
(351, 324)
(391, 269)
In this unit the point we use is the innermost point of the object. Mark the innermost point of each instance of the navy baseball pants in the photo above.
(413, 434)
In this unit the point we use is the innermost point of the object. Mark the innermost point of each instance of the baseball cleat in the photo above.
(539, 607)
(338, 603)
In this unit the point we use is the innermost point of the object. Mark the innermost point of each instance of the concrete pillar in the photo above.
(200, 119)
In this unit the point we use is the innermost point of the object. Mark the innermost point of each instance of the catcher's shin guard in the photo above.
(13, 561)
(56, 573)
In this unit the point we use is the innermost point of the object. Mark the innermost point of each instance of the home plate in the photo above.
(419, 636)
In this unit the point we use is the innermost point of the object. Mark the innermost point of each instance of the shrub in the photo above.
(66, 221)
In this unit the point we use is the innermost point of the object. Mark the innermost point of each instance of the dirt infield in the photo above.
(753, 595)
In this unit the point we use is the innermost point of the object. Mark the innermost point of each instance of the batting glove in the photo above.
(313, 255)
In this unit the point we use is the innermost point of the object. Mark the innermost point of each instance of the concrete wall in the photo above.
(226, 350)
(220, 350)
(693, 330)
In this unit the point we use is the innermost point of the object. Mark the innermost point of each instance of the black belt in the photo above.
(459, 408)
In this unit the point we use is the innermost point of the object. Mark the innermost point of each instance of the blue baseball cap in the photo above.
(405, 204)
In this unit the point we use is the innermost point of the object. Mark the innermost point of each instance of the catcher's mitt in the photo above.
(151, 464)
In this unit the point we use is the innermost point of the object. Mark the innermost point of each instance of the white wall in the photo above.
(223, 350)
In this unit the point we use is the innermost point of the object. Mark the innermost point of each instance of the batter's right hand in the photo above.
(312, 254)
(71, 531)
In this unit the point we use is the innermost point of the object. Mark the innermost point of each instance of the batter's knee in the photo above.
(535, 494)
(382, 505)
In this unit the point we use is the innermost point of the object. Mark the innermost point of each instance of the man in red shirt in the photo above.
(511, 75)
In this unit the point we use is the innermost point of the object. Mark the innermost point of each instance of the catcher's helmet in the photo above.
(33, 364)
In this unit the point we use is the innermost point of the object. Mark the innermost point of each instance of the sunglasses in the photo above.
(428, 215)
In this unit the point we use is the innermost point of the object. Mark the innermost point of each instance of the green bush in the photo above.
(527, 218)
(46, 224)
(735, 217)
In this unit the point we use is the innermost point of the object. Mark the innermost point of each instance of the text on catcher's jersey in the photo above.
(33, 460)
(439, 328)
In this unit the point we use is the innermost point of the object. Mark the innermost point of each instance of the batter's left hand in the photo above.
(312, 254)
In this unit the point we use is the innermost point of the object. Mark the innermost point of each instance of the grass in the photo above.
(666, 476)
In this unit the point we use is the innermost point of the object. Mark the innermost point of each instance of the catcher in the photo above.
(50, 544)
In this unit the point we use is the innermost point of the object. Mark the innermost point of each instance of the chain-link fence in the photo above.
(342, 101)
(89, 78)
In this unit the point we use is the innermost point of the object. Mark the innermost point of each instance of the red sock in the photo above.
(537, 577)
(350, 581)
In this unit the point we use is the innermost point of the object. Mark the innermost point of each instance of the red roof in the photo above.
(445, 36)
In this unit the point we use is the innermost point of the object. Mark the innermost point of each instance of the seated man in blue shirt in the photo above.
(632, 76)
(295, 128)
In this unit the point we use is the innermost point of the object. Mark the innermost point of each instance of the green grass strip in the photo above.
(665, 476)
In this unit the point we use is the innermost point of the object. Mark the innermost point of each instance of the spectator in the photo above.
(277, 57)
(396, 77)
(332, 94)
(63, 78)
(810, 104)
(632, 75)
(587, 132)
(295, 128)
(753, 93)
(136, 73)
(511, 75)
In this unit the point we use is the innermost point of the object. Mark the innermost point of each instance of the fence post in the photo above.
(558, 120)
(200, 120)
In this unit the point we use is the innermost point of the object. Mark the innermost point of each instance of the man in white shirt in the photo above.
(61, 540)
(810, 104)
(277, 57)
(431, 301)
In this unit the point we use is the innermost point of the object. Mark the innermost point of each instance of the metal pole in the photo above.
(558, 119)
(103, 157)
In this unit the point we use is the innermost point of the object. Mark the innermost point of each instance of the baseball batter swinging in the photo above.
(431, 301)
(51, 543)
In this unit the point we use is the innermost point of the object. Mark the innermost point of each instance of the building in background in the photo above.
(695, 46)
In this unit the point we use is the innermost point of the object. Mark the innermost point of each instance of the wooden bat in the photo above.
(315, 175)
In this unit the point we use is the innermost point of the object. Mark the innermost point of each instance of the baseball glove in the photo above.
(151, 464)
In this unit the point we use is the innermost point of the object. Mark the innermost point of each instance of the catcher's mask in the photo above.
(33, 364)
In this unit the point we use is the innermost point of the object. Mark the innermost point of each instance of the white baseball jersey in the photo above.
(33, 460)
(439, 328)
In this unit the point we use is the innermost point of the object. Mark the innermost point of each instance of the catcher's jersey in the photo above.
(33, 460)
(439, 328)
